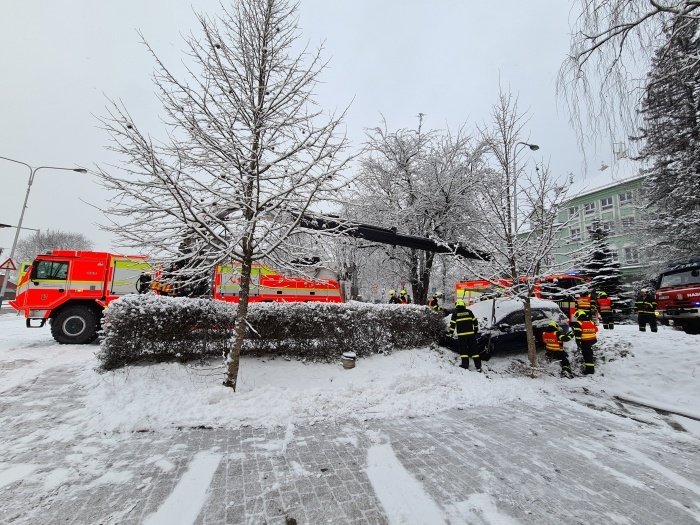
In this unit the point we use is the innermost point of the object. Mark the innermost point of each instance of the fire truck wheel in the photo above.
(76, 325)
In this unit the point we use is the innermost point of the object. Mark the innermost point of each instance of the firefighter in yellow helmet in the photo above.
(404, 297)
(554, 338)
(585, 333)
(465, 325)
(393, 298)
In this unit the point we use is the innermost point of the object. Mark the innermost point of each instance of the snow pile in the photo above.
(280, 392)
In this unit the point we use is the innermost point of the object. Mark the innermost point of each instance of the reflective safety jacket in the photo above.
(584, 330)
(645, 304)
(604, 304)
(584, 303)
(554, 338)
(463, 322)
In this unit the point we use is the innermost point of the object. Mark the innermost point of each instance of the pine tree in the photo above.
(671, 143)
(600, 266)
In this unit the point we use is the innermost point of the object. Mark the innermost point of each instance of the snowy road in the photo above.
(566, 457)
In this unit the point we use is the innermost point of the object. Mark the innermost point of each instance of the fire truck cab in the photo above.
(678, 295)
(71, 288)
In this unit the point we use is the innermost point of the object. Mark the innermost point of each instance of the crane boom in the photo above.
(387, 236)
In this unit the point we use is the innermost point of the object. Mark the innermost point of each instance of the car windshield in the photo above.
(683, 278)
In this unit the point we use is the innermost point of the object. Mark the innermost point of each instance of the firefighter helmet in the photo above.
(403, 292)
(460, 302)
(582, 315)
(601, 293)
(644, 290)
(392, 293)
(553, 324)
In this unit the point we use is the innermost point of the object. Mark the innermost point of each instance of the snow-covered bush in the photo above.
(139, 327)
(150, 327)
(326, 330)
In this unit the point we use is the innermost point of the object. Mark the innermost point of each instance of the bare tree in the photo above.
(417, 182)
(246, 152)
(43, 242)
(612, 41)
(516, 219)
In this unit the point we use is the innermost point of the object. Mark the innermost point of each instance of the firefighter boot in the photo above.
(477, 362)
(566, 372)
(588, 368)
(465, 362)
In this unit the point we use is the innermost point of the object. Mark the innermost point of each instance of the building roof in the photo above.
(611, 185)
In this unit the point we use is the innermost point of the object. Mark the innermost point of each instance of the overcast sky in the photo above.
(61, 59)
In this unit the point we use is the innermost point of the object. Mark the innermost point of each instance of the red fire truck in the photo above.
(71, 288)
(266, 285)
(678, 295)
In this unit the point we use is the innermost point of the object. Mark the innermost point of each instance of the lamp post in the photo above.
(533, 147)
(32, 173)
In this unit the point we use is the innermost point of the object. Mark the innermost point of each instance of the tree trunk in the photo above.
(234, 356)
(531, 343)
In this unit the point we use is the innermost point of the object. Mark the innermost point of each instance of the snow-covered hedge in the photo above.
(139, 327)
(326, 330)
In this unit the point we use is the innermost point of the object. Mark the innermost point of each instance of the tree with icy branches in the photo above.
(611, 42)
(244, 154)
(516, 212)
(600, 266)
(670, 138)
(420, 183)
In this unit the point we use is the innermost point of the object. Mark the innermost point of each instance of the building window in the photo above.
(625, 198)
(631, 255)
(573, 211)
(606, 203)
(627, 223)
(589, 208)
(608, 226)
(575, 234)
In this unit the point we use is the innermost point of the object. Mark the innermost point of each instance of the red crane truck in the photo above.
(678, 295)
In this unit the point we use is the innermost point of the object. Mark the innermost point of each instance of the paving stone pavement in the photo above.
(561, 463)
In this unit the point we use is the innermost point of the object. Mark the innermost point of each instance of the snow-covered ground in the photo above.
(659, 369)
(349, 445)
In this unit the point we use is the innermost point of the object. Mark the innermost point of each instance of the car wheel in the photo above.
(691, 329)
(76, 325)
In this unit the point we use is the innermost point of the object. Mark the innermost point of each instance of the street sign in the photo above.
(9, 264)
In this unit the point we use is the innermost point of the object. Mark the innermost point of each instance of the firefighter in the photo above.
(646, 306)
(605, 309)
(434, 304)
(403, 297)
(585, 333)
(554, 338)
(583, 302)
(465, 325)
(393, 299)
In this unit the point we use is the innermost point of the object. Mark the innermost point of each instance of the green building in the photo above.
(616, 207)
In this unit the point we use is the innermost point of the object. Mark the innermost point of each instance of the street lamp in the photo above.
(32, 172)
(533, 147)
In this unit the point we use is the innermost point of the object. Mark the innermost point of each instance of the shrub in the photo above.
(139, 327)
(163, 328)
